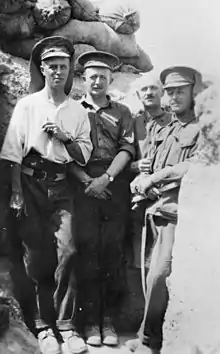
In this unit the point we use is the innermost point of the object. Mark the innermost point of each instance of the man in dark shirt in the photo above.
(102, 200)
(149, 124)
(179, 144)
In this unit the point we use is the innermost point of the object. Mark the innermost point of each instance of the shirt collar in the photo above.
(44, 96)
(149, 117)
(87, 102)
(191, 119)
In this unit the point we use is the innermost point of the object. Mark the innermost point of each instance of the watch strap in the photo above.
(111, 178)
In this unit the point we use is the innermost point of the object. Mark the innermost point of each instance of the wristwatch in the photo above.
(111, 178)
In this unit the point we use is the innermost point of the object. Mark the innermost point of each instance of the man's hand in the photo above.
(105, 195)
(144, 165)
(53, 130)
(17, 204)
(98, 188)
(141, 184)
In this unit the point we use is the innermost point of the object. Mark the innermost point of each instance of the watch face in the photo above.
(111, 179)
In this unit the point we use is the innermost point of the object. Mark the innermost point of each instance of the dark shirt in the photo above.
(179, 143)
(111, 129)
(149, 132)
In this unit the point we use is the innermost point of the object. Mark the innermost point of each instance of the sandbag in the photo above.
(51, 14)
(20, 48)
(99, 35)
(7, 6)
(84, 10)
(141, 62)
(20, 25)
(24, 47)
(122, 16)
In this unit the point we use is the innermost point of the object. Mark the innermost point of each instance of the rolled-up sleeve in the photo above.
(12, 148)
(126, 140)
(83, 136)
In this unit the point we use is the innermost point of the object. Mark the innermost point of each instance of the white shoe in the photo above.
(132, 344)
(110, 337)
(143, 349)
(48, 343)
(73, 343)
(93, 336)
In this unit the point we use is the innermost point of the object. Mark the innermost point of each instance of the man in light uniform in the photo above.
(47, 131)
(179, 144)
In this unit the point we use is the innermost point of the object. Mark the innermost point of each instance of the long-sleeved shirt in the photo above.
(111, 129)
(179, 144)
(25, 129)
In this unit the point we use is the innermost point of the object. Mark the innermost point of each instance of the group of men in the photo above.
(71, 167)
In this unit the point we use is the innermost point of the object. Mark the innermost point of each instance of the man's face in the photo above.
(180, 98)
(55, 71)
(97, 81)
(151, 93)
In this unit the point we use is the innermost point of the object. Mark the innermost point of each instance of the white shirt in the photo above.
(25, 129)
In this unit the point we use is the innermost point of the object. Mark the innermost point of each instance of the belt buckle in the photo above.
(41, 175)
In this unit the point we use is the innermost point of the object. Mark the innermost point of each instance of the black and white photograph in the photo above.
(109, 177)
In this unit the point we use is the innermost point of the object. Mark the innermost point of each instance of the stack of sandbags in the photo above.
(115, 31)
(106, 26)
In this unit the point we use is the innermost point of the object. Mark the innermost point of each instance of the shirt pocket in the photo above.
(188, 137)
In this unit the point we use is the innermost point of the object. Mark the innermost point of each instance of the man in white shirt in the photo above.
(47, 131)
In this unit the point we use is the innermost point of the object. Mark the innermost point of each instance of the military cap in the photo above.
(49, 47)
(98, 59)
(176, 76)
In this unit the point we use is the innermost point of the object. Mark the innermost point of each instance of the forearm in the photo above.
(170, 173)
(79, 172)
(16, 178)
(75, 152)
(119, 163)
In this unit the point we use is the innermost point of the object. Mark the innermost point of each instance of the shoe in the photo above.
(109, 336)
(132, 344)
(143, 349)
(48, 343)
(93, 336)
(73, 343)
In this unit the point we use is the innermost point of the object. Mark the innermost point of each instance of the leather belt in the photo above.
(43, 175)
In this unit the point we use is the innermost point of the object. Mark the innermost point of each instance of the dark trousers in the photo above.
(46, 233)
(157, 296)
(100, 230)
